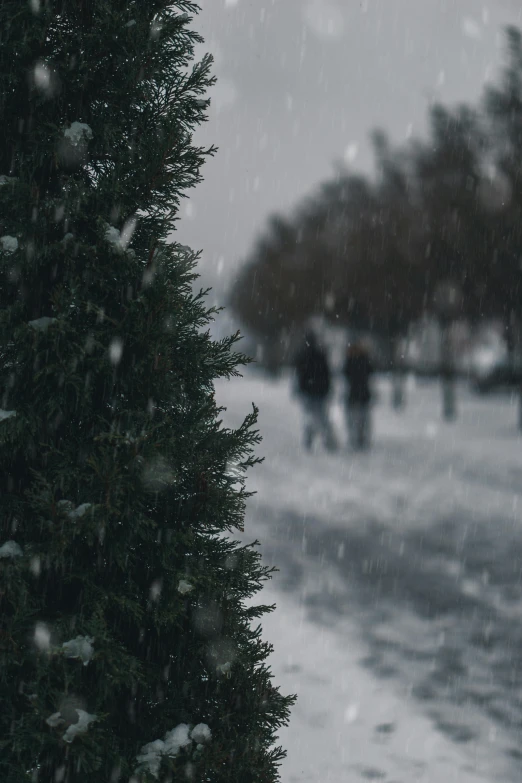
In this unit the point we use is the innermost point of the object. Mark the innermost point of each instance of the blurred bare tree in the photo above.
(370, 253)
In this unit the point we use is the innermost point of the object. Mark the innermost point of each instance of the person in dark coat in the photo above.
(313, 383)
(357, 371)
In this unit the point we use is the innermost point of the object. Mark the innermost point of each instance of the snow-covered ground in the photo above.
(399, 619)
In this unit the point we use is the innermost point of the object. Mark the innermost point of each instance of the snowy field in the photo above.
(399, 620)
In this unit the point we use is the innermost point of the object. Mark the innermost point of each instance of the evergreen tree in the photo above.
(128, 651)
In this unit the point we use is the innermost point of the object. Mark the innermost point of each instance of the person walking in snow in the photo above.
(357, 372)
(313, 382)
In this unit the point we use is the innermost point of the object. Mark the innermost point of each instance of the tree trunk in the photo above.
(449, 397)
(512, 337)
(398, 396)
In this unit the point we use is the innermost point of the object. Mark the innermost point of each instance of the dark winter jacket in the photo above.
(357, 371)
(312, 371)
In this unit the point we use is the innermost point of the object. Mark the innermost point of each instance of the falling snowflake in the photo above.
(351, 152)
(471, 29)
(155, 590)
(42, 637)
(35, 565)
(116, 350)
(42, 76)
(324, 18)
(127, 232)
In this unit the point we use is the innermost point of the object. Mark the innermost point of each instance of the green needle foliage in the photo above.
(128, 647)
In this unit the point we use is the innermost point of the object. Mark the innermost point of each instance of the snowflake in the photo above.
(42, 637)
(116, 350)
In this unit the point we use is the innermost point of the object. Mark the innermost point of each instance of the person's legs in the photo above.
(365, 427)
(317, 422)
(325, 425)
(308, 435)
(310, 422)
(352, 417)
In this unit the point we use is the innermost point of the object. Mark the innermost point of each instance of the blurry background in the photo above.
(303, 82)
(369, 184)
(361, 139)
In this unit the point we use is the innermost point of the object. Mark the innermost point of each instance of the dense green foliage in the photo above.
(123, 594)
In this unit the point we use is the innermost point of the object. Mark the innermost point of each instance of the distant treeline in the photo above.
(374, 253)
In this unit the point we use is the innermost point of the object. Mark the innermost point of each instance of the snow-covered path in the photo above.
(399, 620)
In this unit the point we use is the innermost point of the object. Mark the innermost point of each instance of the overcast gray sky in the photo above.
(302, 82)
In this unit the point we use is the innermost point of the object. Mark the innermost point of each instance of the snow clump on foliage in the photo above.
(201, 734)
(81, 727)
(81, 648)
(121, 239)
(42, 324)
(9, 244)
(11, 549)
(184, 586)
(78, 132)
(74, 513)
(150, 757)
